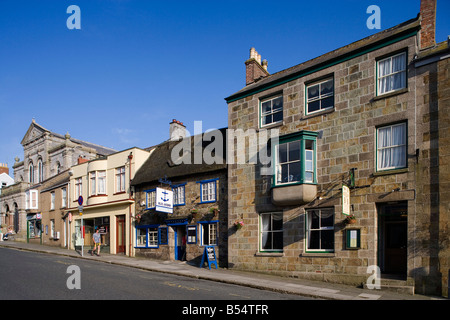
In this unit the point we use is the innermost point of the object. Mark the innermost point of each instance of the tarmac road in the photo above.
(37, 276)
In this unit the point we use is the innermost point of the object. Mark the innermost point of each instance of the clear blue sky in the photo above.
(136, 64)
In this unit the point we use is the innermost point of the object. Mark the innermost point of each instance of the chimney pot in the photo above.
(254, 71)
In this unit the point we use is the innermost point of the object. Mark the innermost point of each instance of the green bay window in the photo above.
(295, 159)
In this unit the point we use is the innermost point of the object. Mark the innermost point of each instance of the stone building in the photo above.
(45, 155)
(200, 198)
(53, 205)
(360, 131)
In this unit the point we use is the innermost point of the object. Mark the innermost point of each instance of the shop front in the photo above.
(34, 228)
(90, 226)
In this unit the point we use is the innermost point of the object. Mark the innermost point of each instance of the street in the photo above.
(29, 275)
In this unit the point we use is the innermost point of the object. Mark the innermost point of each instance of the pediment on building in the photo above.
(34, 131)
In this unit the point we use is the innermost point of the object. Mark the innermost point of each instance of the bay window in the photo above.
(295, 159)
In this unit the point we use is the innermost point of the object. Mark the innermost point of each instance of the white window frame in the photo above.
(52, 200)
(272, 112)
(209, 234)
(179, 195)
(321, 97)
(270, 231)
(97, 182)
(319, 229)
(141, 237)
(390, 75)
(120, 179)
(392, 147)
(152, 237)
(31, 199)
(63, 197)
(208, 191)
(150, 199)
(78, 187)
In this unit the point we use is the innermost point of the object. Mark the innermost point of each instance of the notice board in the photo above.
(209, 255)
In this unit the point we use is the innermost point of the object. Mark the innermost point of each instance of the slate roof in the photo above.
(159, 164)
(407, 28)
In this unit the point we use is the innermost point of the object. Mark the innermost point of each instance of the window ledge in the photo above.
(318, 254)
(272, 125)
(318, 113)
(388, 172)
(390, 94)
(269, 254)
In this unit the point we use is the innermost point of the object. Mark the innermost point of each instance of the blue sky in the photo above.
(136, 64)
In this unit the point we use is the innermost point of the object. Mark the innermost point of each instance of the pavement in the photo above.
(302, 287)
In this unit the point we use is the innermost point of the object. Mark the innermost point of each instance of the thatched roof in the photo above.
(165, 161)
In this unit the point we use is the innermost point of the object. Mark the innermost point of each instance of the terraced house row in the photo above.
(358, 178)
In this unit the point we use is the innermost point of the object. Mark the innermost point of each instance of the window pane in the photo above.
(284, 173)
(327, 218)
(313, 92)
(277, 240)
(309, 177)
(277, 221)
(294, 171)
(282, 153)
(277, 103)
(327, 239)
(328, 102)
(326, 87)
(266, 107)
(267, 241)
(278, 116)
(314, 217)
(267, 119)
(294, 151)
(313, 106)
(398, 135)
(314, 240)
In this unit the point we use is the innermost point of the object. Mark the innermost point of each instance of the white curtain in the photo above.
(392, 146)
(392, 73)
(265, 223)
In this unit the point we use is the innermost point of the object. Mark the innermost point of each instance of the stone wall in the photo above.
(347, 139)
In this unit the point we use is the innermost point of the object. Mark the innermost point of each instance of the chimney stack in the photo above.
(254, 71)
(4, 168)
(177, 130)
(428, 23)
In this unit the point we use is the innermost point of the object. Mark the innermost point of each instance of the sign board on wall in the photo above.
(164, 200)
(345, 200)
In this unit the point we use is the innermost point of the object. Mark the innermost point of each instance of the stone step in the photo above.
(395, 285)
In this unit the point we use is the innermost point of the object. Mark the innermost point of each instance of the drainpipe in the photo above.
(130, 157)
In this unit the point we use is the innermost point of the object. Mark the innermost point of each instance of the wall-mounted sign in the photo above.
(345, 200)
(353, 239)
(164, 200)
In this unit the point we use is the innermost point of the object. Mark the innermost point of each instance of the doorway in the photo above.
(180, 242)
(120, 231)
(393, 237)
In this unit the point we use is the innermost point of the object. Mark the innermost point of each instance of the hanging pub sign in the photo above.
(345, 200)
(164, 200)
